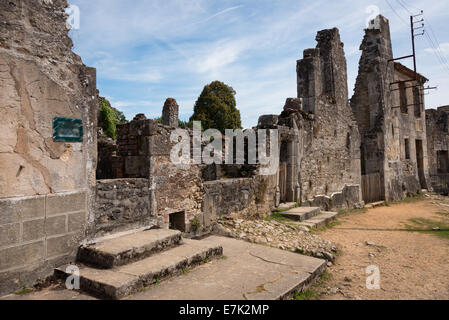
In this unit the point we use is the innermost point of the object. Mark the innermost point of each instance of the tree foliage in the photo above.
(216, 108)
(110, 118)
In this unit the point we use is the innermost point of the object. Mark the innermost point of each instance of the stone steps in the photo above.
(119, 267)
(302, 213)
(130, 248)
(321, 220)
(286, 206)
(375, 205)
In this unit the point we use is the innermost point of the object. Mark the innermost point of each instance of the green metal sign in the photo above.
(67, 130)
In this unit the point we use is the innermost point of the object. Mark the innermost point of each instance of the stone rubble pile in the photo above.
(278, 235)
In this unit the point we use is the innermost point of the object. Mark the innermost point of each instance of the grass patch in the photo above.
(413, 199)
(278, 217)
(205, 260)
(23, 291)
(308, 295)
(311, 293)
(352, 211)
(329, 226)
(427, 226)
(158, 281)
(444, 214)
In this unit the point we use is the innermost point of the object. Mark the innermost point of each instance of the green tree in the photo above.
(216, 108)
(110, 118)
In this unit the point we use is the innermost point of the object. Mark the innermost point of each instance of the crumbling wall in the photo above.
(121, 204)
(383, 127)
(46, 187)
(241, 197)
(437, 122)
(330, 138)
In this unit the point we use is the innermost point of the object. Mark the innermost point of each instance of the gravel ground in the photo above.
(412, 265)
(279, 235)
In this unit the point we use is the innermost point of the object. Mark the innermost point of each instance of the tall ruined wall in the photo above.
(46, 187)
(330, 139)
(372, 97)
(383, 127)
(409, 125)
(438, 148)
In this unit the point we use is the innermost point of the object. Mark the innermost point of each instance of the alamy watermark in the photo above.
(257, 145)
(74, 20)
(373, 279)
(73, 281)
(373, 12)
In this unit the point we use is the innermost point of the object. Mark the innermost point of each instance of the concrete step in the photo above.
(123, 250)
(321, 220)
(286, 206)
(375, 205)
(302, 213)
(125, 280)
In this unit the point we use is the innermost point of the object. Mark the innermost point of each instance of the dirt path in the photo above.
(413, 265)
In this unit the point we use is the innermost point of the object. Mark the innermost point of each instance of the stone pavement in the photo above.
(246, 272)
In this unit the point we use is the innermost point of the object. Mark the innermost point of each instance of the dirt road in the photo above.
(412, 265)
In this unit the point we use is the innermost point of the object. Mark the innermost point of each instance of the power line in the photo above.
(436, 48)
(395, 12)
(438, 43)
(404, 6)
(437, 52)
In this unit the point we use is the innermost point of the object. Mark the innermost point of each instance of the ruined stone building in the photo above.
(54, 200)
(320, 142)
(437, 122)
(391, 119)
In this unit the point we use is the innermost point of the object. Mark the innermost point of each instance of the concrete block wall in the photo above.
(37, 234)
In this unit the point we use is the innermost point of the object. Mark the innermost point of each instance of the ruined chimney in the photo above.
(323, 71)
(372, 95)
(170, 113)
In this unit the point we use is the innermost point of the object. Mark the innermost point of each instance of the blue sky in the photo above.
(148, 50)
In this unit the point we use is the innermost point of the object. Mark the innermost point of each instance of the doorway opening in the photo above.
(178, 221)
(420, 162)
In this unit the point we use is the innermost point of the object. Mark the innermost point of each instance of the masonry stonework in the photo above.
(390, 118)
(329, 148)
(46, 187)
(437, 122)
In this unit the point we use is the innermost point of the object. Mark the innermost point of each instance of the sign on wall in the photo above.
(67, 130)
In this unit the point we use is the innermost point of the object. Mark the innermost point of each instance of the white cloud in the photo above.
(443, 49)
(146, 51)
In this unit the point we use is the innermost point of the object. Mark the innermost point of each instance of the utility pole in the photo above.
(413, 55)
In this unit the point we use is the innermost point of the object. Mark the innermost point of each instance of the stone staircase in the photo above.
(118, 267)
(310, 217)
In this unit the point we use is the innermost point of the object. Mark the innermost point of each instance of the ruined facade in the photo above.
(437, 122)
(319, 139)
(331, 141)
(46, 187)
(53, 198)
(391, 119)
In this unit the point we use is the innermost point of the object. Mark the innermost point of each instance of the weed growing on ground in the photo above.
(311, 293)
(436, 228)
(23, 291)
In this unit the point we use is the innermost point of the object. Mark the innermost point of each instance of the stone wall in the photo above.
(244, 196)
(121, 205)
(330, 144)
(437, 122)
(384, 127)
(40, 79)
